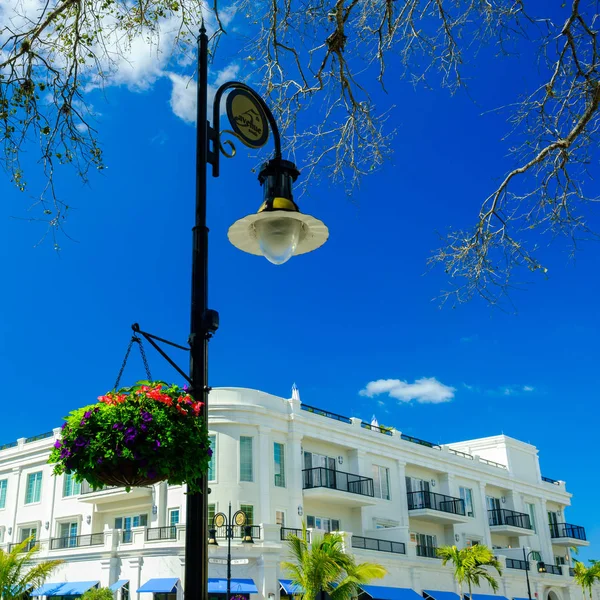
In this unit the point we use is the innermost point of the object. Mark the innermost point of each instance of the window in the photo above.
(466, 495)
(70, 486)
(212, 509)
(28, 532)
(385, 523)
(493, 503)
(470, 543)
(381, 482)
(3, 486)
(531, 511)
(323, 523)
(559, 561)
(131, 521)
(173, 516)
(425, 542)
(212, 464)
(279, 454)
(246, 473)
(34, 488)
(67, 532)
(249, 510)
(280, 517)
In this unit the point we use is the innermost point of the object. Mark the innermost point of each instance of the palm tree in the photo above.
(323, 567)
(469, 565)
(585, 577)
(18, 574)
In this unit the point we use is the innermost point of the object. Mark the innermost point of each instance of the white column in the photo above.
(295, 464)
(264, 475)
(544, 535)
(135, 566)
(399, 496)
(483, 510)
(160, 500)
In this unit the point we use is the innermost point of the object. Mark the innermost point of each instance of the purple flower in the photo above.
(130, 435)
(81, 442)
(144, 427)
(210, 452)
(146, 416)
(185, 387)
(87, 414)
(151, 474)
(100, 461)
(64, 425)
(97, 409)
(57, 444)
(156, 445)
(118, 426)
(119, 452)
(65, 453)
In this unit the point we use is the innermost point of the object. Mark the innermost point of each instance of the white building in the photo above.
(393, 496)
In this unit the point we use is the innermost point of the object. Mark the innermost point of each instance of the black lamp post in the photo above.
(541, 567)
(240, 519)
(278, 231)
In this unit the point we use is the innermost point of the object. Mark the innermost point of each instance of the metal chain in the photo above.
(134, 339)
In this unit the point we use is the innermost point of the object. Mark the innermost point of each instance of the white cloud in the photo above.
(528, 388)
(427, 390)
(469, 338)
(510, 390)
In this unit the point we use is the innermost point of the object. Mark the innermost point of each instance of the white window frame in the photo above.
(3, 492)
(464, 499)
(283, 482)
(29, 475)
(532, 515)
(73, 483)
(170, 512)
(376, 471)
(213, 459)
(251, 480)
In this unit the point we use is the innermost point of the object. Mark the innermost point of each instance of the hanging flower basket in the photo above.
(136, 436)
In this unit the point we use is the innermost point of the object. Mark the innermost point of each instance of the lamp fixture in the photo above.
(88, 519)
(247, 539)
(9, 530)
(503, 499)
(541, 566)
(340, 460)
(456, 537)
(154, 509)
(300, 510)
(432, 483)
(47, 525)
(212, 537)
(278, 230)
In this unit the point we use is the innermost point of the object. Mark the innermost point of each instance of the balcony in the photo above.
(509, 522)
(328, 485)
(154, 534)
(553, 569)
(238, 532)
(514, 563)
(427, 551)
(565, 534)
(365, 543)
(438, 508)
(77, 541)
(287, 531)
(103, 498)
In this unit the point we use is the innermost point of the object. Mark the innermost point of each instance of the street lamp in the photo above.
(541, 567)
(240, 520)
(277, 231)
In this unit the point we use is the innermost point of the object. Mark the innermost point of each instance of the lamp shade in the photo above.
(278, 230)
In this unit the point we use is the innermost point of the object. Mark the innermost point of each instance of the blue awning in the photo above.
(117, 585)
(74, 588)
(520, 598)
(166, 585)
(239, 586)
(379, 592)
(485, 597)
(291, 589)
(440, 595)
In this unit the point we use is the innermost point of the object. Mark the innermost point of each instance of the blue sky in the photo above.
(360, 309)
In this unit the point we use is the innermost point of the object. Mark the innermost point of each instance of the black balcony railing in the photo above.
(503, 516)
(319, 477)
(554, 569)
(161, 533)
(77, 541)
(9, 445)
(287, 531)
(127, 537)
(566, 530)
(41, 436)
(414, 440)
(325, 413)
(377, 428)
(26, 548)
(237, 532)
(427, 551)
(513, 563)
(366, 543)
(441, 502)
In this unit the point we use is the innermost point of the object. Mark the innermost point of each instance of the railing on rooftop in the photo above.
(9, 445)
(449, 504)
(513, 563)
(512, 518)
(552, 481)
(321, 477)
(414, 440)
(554, 569)
(427, 551)
(77, 541)
(461, 454)
(161, 533)
(325, 413)
(41, 436)
(566, 530)
(383, 430)
(366, 543)
(287, 531)
(492, 463)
